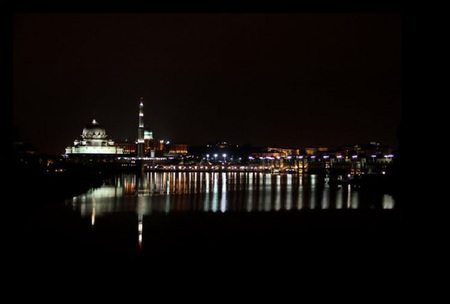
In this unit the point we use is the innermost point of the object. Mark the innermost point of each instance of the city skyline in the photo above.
(292, 80)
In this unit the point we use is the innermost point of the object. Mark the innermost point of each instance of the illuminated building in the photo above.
(176, 149)
(140, 140)
(148, 134)
(129, 147)
(146, 145)
(276, 152)
(94, 141)
(310, 151)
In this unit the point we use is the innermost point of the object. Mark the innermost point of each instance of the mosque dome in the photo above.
(94, 131)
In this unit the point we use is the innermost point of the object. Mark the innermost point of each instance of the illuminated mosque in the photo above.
(95, 144)
(94, 140)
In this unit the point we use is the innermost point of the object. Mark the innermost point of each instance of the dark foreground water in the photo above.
(214, 222)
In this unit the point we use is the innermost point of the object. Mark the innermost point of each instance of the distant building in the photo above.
(140, 141)
(176, 149)
(93, 141)
(129, 147)
(146, 145)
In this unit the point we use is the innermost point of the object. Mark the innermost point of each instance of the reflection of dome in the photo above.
(94, 131)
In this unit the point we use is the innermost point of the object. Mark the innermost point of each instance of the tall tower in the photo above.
(140, 141)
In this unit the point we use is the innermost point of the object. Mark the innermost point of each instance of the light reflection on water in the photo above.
(164, 192)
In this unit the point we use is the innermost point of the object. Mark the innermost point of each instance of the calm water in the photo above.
(213, 219)
(168, 192)
(159, 213)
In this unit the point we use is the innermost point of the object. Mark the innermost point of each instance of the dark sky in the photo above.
(268, 79)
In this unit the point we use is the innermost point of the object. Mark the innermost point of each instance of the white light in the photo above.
(325, 156)
(388, 202)
(339, 156)
(93, 216)
(354, 156)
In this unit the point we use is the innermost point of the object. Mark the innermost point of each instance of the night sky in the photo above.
(270, 79)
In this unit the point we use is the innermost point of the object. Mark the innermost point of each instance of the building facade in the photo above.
(93, 141)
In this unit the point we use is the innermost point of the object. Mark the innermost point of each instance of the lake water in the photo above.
(221, 221)
(166, 192)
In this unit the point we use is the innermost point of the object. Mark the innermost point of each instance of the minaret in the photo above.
(140, 141)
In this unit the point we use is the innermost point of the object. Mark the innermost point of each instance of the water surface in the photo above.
(165, 192)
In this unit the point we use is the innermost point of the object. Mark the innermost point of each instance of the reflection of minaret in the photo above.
(140, 145)
(93, 212)
(140, 229)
